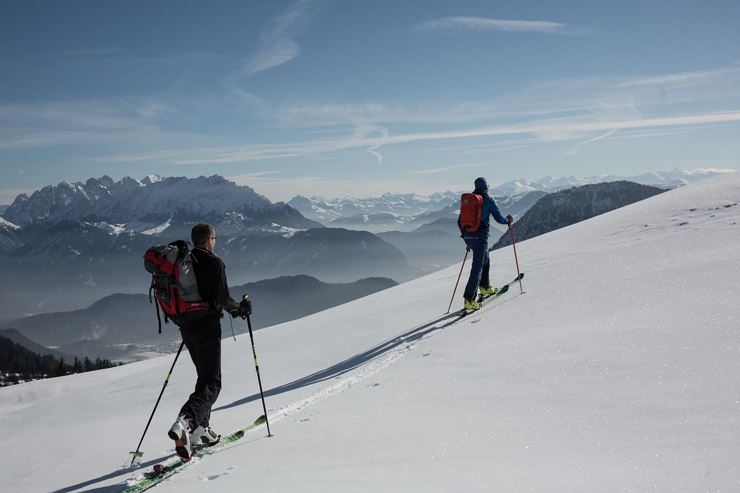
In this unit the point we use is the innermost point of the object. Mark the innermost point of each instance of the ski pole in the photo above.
(458, 279)
(257, 368)
(513, 244)
(166, 381)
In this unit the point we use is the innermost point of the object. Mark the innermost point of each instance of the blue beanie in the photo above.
(481, 184)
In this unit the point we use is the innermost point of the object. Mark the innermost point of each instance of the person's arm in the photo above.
(496, 213)
(223, 297)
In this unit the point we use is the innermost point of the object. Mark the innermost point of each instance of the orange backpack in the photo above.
(470, 212)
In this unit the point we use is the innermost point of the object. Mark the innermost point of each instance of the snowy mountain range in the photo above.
(664, 179)
(407, 211)
(152, 200)
(372, 213)
(615, 370)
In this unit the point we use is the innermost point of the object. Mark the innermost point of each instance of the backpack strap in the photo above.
(156, 307)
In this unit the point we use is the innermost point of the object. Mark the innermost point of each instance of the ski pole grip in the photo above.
(245, 297)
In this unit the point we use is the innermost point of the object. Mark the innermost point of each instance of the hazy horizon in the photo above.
(276, 195)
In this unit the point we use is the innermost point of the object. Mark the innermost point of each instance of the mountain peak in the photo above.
(150, 179)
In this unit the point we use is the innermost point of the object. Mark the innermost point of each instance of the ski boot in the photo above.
(471, 305)
(485, 292)
(180, 433)
(204, 436)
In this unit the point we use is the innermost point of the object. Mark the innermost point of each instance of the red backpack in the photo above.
(174, 284)
(470, 212)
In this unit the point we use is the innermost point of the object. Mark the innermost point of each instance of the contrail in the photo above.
(373, 149)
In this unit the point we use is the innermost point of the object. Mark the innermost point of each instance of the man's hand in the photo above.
(245, 308)
(510, 218)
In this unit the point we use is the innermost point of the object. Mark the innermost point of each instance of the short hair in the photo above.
(200, 234)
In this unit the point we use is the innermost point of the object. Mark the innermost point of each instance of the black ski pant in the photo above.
(203, 340)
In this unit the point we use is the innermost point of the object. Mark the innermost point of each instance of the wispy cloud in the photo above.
(680, 79)
(24, 126)
(612, 97)
(599, 137)
(486, 24)
(277, 43)
(44, 139)
(441, 169)
(545, 130)
(94, 52)
(373, 149)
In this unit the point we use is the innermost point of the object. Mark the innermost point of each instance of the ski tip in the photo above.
(520, 276)
(260, 420)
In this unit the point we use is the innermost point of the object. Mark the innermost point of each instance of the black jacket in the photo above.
(210, 272)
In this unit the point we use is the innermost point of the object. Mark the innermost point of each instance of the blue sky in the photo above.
(340, 97)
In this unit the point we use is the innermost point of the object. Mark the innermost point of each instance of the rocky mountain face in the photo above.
(123, 326)
(148, 202)
(567, 207)
(9, 236)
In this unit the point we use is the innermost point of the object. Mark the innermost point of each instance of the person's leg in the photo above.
(204, 344)
(475, 245)
(484, 277)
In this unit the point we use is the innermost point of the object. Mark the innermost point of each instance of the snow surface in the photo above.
(8, 225)
(157, 229)
(616, 371)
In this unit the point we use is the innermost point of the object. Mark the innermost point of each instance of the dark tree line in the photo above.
(20, 363)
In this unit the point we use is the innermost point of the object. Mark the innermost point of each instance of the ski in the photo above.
(162, 471)
(485, 299)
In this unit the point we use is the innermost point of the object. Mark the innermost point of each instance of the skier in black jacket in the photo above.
(202, 337)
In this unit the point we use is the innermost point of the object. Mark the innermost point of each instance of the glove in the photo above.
(510, 218)
(245, 308)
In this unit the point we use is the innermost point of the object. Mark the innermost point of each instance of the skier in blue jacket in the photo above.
(477, 242)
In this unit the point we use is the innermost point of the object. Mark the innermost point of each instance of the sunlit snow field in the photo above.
(617, 370)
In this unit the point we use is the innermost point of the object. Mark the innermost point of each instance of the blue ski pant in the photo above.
(479, 272)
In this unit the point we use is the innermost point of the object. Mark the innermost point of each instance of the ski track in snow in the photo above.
(378, 364)
(354, 377)
(346, 382)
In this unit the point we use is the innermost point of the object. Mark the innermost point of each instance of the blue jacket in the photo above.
(488, 209)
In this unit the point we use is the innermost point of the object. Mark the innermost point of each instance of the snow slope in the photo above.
(616, 371)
